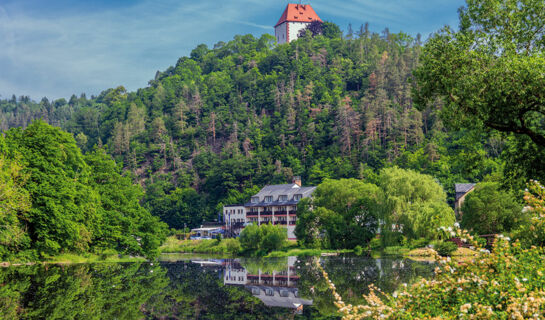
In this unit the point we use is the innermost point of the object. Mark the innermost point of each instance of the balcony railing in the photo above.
(252, 215)
(293, 212)
(281, 223)
(266, 213)
(280, 212)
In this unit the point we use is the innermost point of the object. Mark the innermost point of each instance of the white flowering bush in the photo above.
(533, 234)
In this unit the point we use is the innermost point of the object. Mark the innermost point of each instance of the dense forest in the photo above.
(227, 120)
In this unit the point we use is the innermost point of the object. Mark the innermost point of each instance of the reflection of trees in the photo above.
(101, 291)
(265, 265)
(353, 275)
(312, 285)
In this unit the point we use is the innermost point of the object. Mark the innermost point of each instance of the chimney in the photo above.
(297, 180)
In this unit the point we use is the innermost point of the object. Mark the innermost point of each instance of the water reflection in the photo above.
(288, 288)
(275, 288)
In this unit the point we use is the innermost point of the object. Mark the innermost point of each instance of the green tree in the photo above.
(489, 210)
(182, 208)
(346, 211)
(64, 206)
(250, 237)
(490, 73)
(263, 239)
(415, 205)
(124, 225)
(14, 206)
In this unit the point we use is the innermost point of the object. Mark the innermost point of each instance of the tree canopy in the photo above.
(490, 210)
(489, 74)
(57, 200)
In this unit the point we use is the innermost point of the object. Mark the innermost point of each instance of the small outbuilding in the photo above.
(462, 190)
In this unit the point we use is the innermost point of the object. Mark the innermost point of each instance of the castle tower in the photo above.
(295, 18)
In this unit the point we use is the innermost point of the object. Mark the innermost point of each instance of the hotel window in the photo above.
(255, 199)
(297, 197)
(268, 199)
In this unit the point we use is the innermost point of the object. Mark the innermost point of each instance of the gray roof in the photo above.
(284, 189)
(278, 301)
(278, 190)
(464, 187)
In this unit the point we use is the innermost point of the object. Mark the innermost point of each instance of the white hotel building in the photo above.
(275, 204)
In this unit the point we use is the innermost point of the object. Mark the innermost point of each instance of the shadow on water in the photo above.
(199, 288)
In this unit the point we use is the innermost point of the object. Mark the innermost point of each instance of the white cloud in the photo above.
(88, 51)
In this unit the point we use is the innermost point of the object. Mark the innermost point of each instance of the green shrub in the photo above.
(108, 253)
(263, 239)
(375, 243)
(418, 243)
(446, 248)
(232, 246)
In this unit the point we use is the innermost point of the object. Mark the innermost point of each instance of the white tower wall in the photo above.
(281, 32)
(289, 31)
(294, 29)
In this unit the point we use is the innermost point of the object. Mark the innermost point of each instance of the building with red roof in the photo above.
(295, 18)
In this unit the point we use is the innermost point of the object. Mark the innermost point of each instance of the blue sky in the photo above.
(57, 48)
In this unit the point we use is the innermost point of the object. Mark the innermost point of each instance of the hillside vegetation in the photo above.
(225, 121)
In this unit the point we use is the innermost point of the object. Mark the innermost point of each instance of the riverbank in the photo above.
(75, 259)
(232, 248)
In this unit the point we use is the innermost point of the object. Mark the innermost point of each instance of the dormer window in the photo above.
(255, 199)
(297, 197)
(268, 199)
(283, 198)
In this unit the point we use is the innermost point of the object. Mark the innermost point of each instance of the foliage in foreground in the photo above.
(507, 283)
(55, 200)
(489, 74)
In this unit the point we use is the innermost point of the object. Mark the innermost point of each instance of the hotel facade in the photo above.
(274, 204)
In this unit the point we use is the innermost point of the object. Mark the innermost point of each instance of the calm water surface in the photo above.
(287, 288)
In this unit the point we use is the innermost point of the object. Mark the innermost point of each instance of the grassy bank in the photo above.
(231, 247)
(225, 246)
(69, 258)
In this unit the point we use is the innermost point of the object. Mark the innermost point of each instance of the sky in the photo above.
(57, 48)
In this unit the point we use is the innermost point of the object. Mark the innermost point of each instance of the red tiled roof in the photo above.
(298, 13)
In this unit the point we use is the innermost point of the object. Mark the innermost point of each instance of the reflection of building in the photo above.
(206, 233)
(462, 190)
(275, 288)
(276, 204)
(295, 18)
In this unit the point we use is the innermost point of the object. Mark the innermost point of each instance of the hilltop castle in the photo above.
(295, 18)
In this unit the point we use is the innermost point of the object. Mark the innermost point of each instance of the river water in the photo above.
(184, 287)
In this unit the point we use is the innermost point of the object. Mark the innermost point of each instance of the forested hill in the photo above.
(225, 121)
